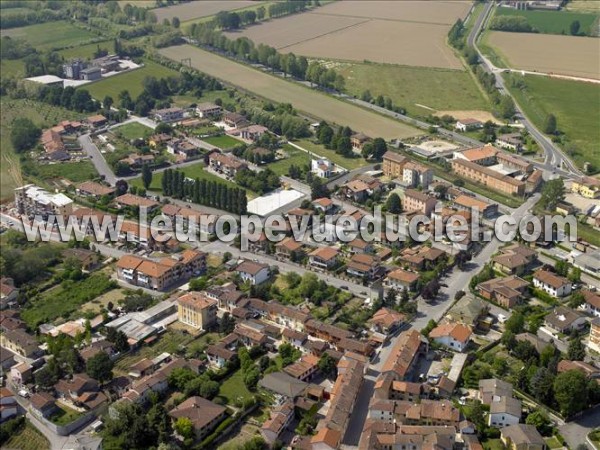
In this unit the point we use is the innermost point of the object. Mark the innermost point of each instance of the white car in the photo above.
(23, 393)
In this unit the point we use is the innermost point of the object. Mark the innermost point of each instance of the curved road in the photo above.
(555, 159)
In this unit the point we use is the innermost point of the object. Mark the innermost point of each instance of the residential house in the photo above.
(401, 279)
(235, 120)
(594, 337)
(304, 368)
(253, 272)
(279, 420)
(322, 167)
(206, 110)
(8, 404)
(405, 354)
(506, 291)
(432, 413)
(42, 404)
(197, 310)
(469, 203)
(135, 201)
(182, 148)
(228, 165)
(364, 266)
(493, 389)
(419, 202)
(21, 373)
(386, 321)
(295, 338)
(587, 369)
(361, 187)
(173, 114)
(94, 190)
(564, 320)
(157, 140)
(324, 258)
(136, 160)
(20, 342)
(393, 164)
(288, 248)
(484, 156)
(422, 257)
(86, 258)
(587, 187)
(468, 124)
(204, 415)
(360, 246)
(511, 141)
(8, 292)
(514, 259)
(219, 355)
(97, 121)
(415, 174)
(551, 283)
(358, 140)
(405, 391)
(514, 164)
(453, 335)
(521, 436)
(32, 200)
(507, 411)
(253, 132)
(324, 205)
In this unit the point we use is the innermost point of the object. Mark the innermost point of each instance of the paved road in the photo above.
(575, 431)
(97, 158)
(457, 280)
(555, 158)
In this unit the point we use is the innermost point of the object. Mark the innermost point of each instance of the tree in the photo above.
(576, 300)
(379, 149)
(100, 367)
(327, 364)
(122, 187)
(576, 350)
(541, 421)
(227, 324)
(562, 268)
(393, 204)
(390, 297)
(163, 128)
(175, 22)
(541, 384)
(107, 102)
(552, 193)
(24, 134)
(574, 28)
(318, 189)
(515, 323)
(146, 176)
(184, 428)
(571, 392)
(550, 124)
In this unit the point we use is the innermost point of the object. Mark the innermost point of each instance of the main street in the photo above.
(456, 281)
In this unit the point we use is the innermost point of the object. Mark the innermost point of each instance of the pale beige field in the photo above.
(308, 101)
(199, 8)
(410, 33)
(565, 55)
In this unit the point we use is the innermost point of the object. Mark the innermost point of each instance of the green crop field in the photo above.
(86, 51)
(346, 163)
(576, 106)
(224, 142)
(553, 22)
(294, 157)
(131, 81)
(133, 130)
(50, 35)
(414, 88)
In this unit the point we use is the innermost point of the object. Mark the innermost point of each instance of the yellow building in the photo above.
(587, 187)
(197, 310)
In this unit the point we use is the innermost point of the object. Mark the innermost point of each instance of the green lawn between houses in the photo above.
(133, 130)
(294, 157)
(224, 142)
(318, 149)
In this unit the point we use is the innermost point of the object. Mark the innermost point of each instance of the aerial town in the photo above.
(176, 182)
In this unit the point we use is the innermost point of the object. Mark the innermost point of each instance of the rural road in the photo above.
(555, 158)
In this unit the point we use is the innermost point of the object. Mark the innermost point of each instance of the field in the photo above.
(73, 171)
(233, 389)
(28, 439)
(12, 68)
(311, 102)
(86, 51)
(378, 31)
(294, 157)
(584, 6)
(131, 81)
(415, 88)
(42, 115)
(346, 163)
(552, 22)
(194, 10)
(224, 142)
(566, 55)
(133, 130)
(50, 35)
(575, 105)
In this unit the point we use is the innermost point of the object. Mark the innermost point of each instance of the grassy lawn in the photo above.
(224, 142)
(131, 81)
(170, 342)
(64, 415)
(552, 22)
(41, 114)
(10, 68)
(233, 389)
(184, 101)
(493, 444)
(194, 171)
(346, 163)
(295, 157)
(133, 130)
(409, 87)
(50, 35)
(86, 51)
(29, 438)
(588, 233)
(552, 442)
(576, 106)
(74, 171)
(64, 299)
(100, 302)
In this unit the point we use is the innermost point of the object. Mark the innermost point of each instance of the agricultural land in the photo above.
(50, 35)
(305, 100)
(554, 22)
(194, 10)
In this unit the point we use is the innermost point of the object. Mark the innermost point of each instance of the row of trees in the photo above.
(204, 192)
(281, 120)
(262, 182)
